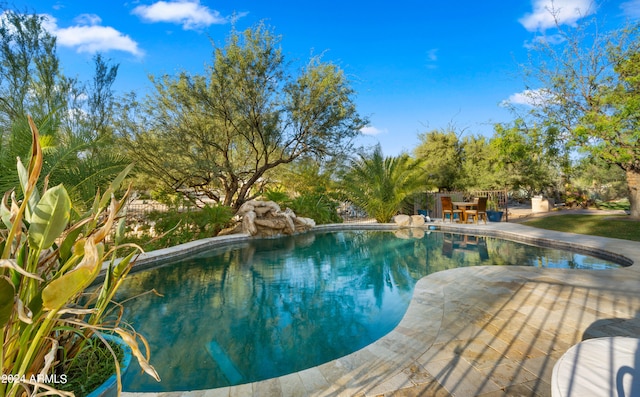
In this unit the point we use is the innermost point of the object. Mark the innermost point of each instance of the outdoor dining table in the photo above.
(464, 206)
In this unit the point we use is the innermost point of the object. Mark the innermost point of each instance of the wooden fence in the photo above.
(432, 204)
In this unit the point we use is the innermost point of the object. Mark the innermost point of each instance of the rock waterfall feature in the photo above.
(266, 219)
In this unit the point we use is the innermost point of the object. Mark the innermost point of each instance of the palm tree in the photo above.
(73, 158)
(379, 184)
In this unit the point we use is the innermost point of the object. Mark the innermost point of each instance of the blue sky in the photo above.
(416, 65)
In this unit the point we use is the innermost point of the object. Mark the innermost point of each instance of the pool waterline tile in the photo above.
(498, 320)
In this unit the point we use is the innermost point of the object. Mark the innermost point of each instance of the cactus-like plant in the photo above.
(48, 263)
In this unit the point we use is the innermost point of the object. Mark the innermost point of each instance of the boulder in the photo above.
(402, 220)
(246, 207)
(406, 220)
(248, 223)
(417, 220)
(304, 222)
(266, 207)
(265, 218)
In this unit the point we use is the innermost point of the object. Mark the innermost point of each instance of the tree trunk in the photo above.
(633, 183)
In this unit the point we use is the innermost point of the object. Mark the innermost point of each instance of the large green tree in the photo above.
(441, 153)
(587, 89)
(452, 161)
(30, 78)
(604, 181)
(527, 159)
(222, 132)
(74, 119)
(480, 164)
(380, 184)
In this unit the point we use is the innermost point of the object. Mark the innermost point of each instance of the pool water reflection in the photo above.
(266, 308)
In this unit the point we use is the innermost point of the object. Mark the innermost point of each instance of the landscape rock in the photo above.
(402, 220)
(407, 220)
(266, 219)
(248, 223)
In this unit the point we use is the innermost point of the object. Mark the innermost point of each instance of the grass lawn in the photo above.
(597, 225)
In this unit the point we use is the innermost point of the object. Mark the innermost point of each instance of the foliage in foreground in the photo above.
(47, 264)
(597, 225)
(91, 367)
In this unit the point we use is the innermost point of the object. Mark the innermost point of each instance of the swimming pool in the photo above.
(264, 308)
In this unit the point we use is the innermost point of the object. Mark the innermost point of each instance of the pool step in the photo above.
(225, 364)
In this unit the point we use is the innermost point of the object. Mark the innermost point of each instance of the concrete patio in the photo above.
(483, 331)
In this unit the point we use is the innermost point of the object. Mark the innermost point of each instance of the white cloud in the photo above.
(94, 39)
(88, 19)
(49, 23)
(531, 98)
(89, 36)
(552, 39)
(189, 13)
(546, 13)
(371, 130)
(631, 9)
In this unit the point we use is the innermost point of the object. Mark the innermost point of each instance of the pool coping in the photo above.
(409, 356)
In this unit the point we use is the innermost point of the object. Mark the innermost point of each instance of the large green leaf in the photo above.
(61, 290)
(115, 184)
(49, 218)
(122, 267)
(66, 248)
(7, 292)
(113, 187)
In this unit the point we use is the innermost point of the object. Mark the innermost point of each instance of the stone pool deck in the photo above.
(480, 331)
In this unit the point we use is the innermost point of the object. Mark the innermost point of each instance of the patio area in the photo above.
(483, 331)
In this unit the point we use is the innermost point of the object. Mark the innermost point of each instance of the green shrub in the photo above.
(277, 196)
(178, 226)
(318, 207)
(576, 197)
(90, 368)
(614, 205)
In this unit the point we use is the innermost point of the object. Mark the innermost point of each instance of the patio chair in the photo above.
(479, 212)
(447, 208)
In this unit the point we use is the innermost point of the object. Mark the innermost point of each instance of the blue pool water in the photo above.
(269, 307)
